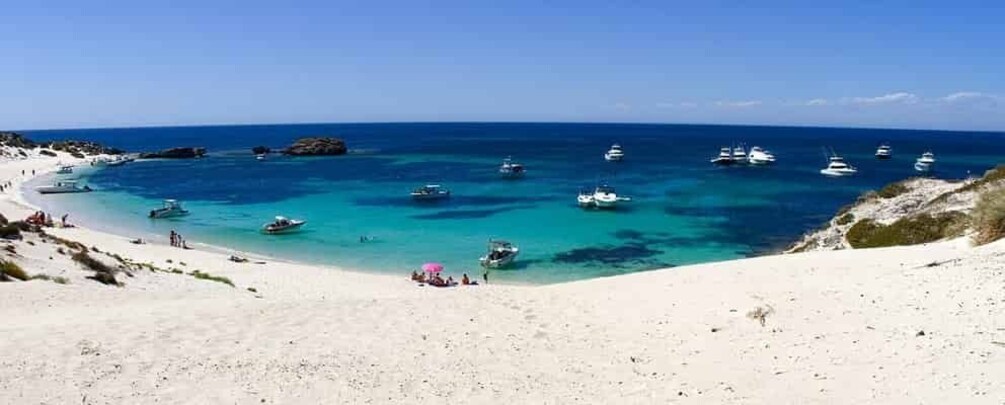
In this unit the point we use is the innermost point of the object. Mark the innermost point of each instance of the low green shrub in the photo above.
(206, 276)
(10, 270)
(892, 190)
(102, 272)
(845, 219)
(921, 228)
(988, 216)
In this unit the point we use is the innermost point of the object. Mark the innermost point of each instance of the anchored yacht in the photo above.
(430, 192)
(282, 225)
(615, 154)
(884, 152)
(511, 169)
(725, 157)
(838, 168)
(925, 163)
(63, 187)
(760, 156)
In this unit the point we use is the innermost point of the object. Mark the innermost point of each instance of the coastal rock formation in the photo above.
(175, 153)
(16, 140)
(917, 210)
(261, 150)
(76, 148)
(86, 148)
(318, 146)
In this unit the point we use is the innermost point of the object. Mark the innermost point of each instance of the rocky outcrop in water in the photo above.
(317, 146)
(16, 140)
(175, 153)
(261, 150)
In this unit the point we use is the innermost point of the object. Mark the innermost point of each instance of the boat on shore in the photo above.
(884, 152)
(500, 254)
(837, 167)
(925, 163)
(760, 157)
(430, 192)
(615, 154)
(282, 225)
(171, 208)
(64, 169)
(511, 169)
(63, 187)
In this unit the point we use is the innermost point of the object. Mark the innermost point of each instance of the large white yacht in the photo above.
(725, 157)
(925, 163)
(760, 156)
(615, 154)
(838, 168)
(63, 187)
(884, 152)
(739, 154)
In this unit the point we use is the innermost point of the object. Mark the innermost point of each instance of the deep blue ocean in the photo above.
(684, 209)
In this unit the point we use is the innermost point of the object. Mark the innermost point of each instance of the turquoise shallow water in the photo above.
(683, 210)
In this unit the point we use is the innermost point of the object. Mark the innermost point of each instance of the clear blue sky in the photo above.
(906, 64)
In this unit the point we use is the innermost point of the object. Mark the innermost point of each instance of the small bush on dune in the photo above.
(988, 217)
(892, 190)
(845, 219)
(102, 273)
(206, 276)
(10, 270)
(912, 230)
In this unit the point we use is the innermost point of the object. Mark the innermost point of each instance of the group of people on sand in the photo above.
(41, 218)
(177, 240)
(5, 186)
(436, 280)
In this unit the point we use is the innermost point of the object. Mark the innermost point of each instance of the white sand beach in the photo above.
(920, 324)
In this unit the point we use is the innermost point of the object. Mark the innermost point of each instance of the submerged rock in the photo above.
(175, 153)
(318, 146)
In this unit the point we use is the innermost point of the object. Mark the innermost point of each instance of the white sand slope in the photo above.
(843, 327)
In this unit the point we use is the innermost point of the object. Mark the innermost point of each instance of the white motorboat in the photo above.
(615, 154)
(511, 169)
(837, 167)
(739, 154)
(500, 254)
(282, 225)
(725, 157)
(260, 157)
(585, 198)
(430, 192)
(760, 157)
(602, 196)
(884, 152)
(65, 169)
(925, 163)
(171, 208)
(63, 187)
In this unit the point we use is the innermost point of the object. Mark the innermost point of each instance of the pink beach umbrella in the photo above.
(432, 267)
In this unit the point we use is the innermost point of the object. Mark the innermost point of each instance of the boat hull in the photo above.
(837, 173)
(284, 230)
(161, 214)
(923, 167)
(498, 263)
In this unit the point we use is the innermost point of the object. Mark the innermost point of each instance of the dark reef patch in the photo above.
(608, 255)
(467, 214)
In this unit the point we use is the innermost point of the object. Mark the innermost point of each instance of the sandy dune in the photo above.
(922, 324)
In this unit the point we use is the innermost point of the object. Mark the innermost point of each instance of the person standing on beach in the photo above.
(174, 238)
(485, 276)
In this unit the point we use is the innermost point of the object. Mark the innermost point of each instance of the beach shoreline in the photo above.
(891, 325)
